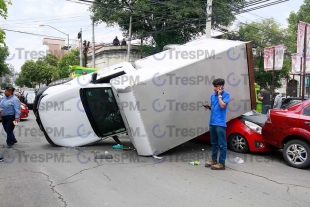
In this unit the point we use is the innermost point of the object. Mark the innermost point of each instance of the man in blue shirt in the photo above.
(219, 101)
(10, 112)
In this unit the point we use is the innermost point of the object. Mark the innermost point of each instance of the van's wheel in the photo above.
(297, 153)
(238, 143)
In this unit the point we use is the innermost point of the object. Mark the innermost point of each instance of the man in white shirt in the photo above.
(278, 100)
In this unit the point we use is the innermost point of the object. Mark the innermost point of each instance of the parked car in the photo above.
(24, 111)
(290, 101)
(24, 94)
(290, 129)
(29, 99)
(243, 134)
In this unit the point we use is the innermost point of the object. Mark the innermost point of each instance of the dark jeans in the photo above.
(7, 122)
(218, 141)
(265, 109)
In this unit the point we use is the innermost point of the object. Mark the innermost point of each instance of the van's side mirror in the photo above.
(93, 78)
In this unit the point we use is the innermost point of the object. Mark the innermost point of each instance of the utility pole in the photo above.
(305, 64)
(93, 46)
(129, 41)
(208, 18)
(81, 49)
(273, 67)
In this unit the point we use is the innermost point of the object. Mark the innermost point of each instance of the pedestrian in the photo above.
(219, 101)
(278, 100)
(265, 98)
(116, 41)
(10, 112)
(123, 42)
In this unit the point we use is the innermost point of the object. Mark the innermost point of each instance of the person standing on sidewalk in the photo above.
(278, 100)
(265, 98)
(218, 107)
(10, 112)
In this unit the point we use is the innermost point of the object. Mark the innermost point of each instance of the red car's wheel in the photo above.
(297, 153)
(238, 143)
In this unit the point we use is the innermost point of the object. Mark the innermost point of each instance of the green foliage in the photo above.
(266, 33)
(29, 71)
(4, 53)
(69, 59)
(4, 8)
(21, 81)
(3, 14)
(167, 22)
(41, 71)
(302, 15)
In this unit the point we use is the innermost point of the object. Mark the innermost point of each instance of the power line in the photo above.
(35, 34)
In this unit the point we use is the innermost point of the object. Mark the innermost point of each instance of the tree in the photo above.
(167, 22)
(3, 13)
(41, 71)
(46, 71)
(69, 59)
(4, 53)
(265, 33)
(303, 14)
(30, 71)
(21, 81)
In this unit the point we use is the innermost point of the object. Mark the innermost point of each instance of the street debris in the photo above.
(239, 160)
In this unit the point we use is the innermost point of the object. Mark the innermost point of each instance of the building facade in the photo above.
(107, 55)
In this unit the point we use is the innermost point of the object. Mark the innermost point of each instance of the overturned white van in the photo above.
(157, 102)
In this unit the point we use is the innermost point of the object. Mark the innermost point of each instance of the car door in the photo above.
(102, 111)
(304, 121)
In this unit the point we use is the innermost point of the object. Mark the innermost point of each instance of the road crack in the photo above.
(86, 169)
(52, 187)
(107, 176)
(68, 182)
(288, 185)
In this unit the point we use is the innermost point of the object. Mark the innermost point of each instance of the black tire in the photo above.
(296, 153)
(238, 143)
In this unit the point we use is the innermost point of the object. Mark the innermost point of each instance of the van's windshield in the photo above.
(102, 111)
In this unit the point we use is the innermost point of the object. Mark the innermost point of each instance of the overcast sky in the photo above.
(69, 17)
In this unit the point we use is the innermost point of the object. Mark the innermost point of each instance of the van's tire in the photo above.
(296, 153)
(238, 143)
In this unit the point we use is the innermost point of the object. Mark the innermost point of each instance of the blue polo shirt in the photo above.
(218, 115)
(10, 106)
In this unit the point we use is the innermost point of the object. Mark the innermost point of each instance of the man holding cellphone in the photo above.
(218, 107)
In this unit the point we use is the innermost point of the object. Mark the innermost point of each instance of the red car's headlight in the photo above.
(256, 128)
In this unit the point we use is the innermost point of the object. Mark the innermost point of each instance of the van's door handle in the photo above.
(307, 123)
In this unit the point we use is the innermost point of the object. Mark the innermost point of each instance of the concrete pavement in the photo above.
(35, 174)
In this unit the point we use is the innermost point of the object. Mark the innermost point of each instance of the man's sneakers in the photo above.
(215, 165)
(1, 159)
(10, 145)
(210, 163)
(218, 166)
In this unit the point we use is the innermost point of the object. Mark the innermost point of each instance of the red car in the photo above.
(290, 129)
(243, 134)
(23, 111)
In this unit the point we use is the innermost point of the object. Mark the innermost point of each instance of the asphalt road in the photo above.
(36, 174)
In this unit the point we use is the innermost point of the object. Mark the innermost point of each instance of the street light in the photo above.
(42, 25)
